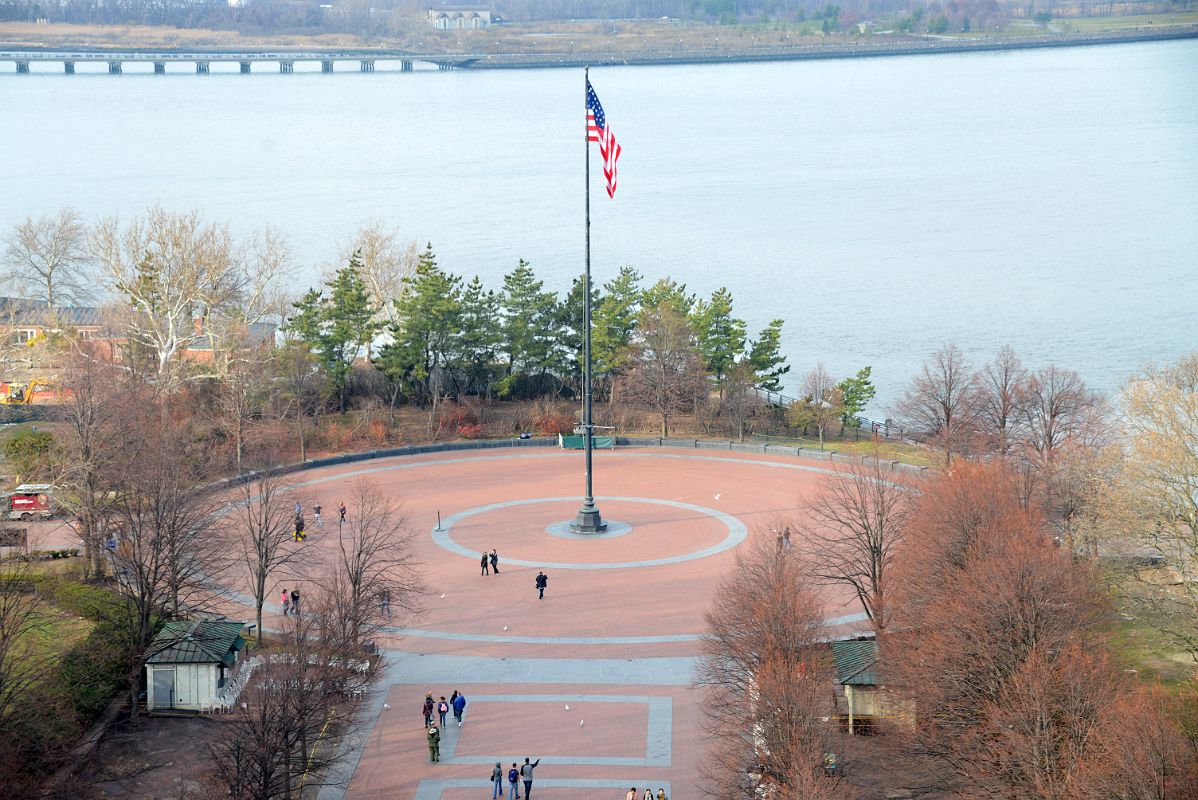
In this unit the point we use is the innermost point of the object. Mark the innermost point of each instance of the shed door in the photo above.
(164, 688)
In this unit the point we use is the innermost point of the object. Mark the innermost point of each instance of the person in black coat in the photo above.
(542, 582)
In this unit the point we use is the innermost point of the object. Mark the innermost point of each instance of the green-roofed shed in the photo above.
(857, 671)
(189, 662)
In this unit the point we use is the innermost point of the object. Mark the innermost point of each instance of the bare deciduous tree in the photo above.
(822, 402)
(667, 372)
(176, 272)
(262, 524)
(166, 548)
(999, 388)
(374, 571)
(853, 531)
(765, 678)
(47, 260)
(940, 402)
(283, 737)
(387, 262)
(1056, 408)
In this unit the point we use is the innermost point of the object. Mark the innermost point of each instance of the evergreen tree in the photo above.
(765, 356)
(567, 359)
(425, 336)
(614, 322)
(530, 326)
(480, 339)
(721, 336)
(337, 327)
(856, 394)
(671, 294)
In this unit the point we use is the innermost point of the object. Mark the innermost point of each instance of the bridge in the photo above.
(203, 59)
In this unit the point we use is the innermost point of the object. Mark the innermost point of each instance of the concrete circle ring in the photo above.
(737, 533)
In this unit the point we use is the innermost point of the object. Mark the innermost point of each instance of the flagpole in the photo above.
(588, 519)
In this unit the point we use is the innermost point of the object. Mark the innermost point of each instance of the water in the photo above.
(1047, 199)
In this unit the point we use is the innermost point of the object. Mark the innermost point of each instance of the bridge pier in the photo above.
(245, 67)
(405, 66)
(326, 66)
(366, 66)
(114, 68)
(441, 65)
(22, 67)
(287, 67)
(68, 67)
(201, 68)
(159, 67)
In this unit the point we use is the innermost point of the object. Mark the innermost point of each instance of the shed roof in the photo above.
(195, 642)
(856, 662)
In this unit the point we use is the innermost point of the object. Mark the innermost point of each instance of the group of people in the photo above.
(490, 561)
(632, 795)
(290, 602)
(437, 710)
(316, 509)
(515, 776)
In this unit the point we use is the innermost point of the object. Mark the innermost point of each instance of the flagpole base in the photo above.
(588, 520)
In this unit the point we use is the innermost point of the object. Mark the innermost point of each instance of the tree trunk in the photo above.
(303, 445)
(664, 427)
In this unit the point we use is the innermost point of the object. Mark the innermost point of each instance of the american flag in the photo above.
(599, 131)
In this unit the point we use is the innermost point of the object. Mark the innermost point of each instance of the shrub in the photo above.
(551, 423)
(84, 599)
(470, 430)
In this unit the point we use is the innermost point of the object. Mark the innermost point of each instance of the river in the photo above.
(1043, 198)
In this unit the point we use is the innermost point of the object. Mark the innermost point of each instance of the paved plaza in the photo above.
(596, 679)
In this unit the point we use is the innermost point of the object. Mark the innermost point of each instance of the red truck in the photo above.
(31, 500)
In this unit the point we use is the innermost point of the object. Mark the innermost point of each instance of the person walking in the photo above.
(286, 602)
(526, 774)
(295, 598)
(434, 744)
(631, 794)
(299, 510)
(542, 582)
(316, 515)
(428, 708)
(648, 793)
(495, 561)
(341, 511)
(661, 793)
(385, 603)
(442, 710)
(497, 779)
(299, 528)
(485, 563)
(459, 707)
(513, 781)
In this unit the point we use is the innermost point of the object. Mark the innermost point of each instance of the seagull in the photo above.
(442, 597)
(505, 627)
(386, 705)
(580, 723)
(717, 495)
(567, 706)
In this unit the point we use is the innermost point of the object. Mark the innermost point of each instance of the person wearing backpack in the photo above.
(497, 779)
(442, 709)
(513, 781)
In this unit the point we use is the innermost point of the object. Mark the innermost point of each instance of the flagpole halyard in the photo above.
(588, 519)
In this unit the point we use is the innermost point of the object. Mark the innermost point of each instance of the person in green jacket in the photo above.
(434, 743)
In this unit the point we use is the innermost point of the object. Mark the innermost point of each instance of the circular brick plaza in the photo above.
(615, 639)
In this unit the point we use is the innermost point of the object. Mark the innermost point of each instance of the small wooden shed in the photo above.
(189, 662)
(857, 673)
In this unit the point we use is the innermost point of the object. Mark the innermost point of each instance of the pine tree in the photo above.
(613, 324)
(856, 394)
(529, 325)
(480, 339)
(339, 326)
(765, 356)
(425, 337)
(721, 336)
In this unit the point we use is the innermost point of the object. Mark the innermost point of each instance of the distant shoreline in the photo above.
(835, 51)
(876, 48)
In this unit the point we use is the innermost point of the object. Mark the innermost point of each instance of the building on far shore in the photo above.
(459, 17)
